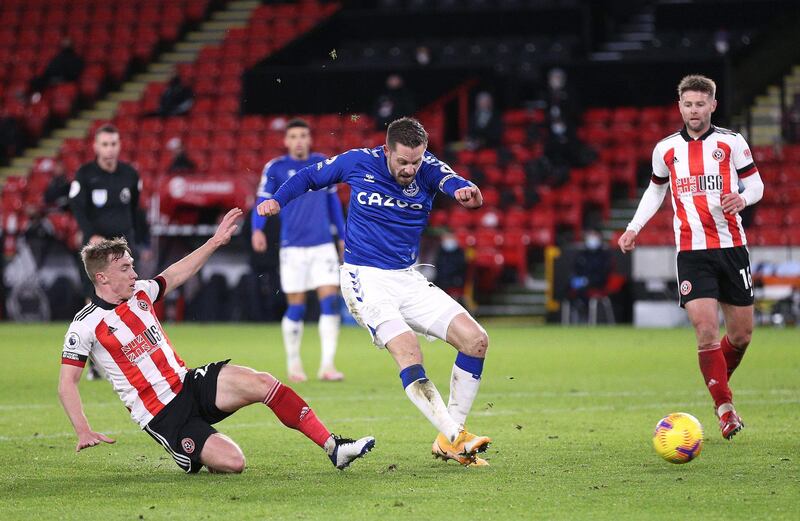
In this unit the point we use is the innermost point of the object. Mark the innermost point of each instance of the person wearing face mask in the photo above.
(451, 266)
(590, 270)
(486, 125)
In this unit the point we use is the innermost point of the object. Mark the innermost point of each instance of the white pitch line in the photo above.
(392, 397)
(484, 413)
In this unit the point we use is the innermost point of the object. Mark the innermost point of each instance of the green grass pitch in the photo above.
(571, 413)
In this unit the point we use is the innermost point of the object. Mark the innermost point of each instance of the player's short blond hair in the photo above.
(699, 83)
(97, 257)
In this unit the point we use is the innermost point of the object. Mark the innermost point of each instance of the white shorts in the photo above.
(375, 296)
(307, 268)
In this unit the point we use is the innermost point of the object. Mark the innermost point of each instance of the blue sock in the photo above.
(411, 374)
(328, 305)
(470, 364)
(296, 312)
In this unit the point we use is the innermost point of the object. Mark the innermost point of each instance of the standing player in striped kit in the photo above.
(704, 166)
(120, 331)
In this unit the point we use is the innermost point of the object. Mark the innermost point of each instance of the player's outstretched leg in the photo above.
(240, 386)
(344, 451)
(471, 340)
(328, 336)
(424, 395)
(292, 329)
(295, 413)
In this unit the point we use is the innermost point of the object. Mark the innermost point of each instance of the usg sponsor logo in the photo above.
(699, 183)
(376, 199)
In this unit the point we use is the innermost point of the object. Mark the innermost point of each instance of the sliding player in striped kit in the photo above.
(121, 333)
(704, 166)
(393, 187)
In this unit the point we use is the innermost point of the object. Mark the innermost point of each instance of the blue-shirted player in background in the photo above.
(392, 193)
(309, 259)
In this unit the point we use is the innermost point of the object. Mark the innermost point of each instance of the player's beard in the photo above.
(697, 126)
(404, 181)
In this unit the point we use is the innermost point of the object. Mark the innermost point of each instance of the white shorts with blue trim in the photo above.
(376, 296)
(307, 268)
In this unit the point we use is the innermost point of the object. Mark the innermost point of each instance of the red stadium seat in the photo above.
(221, 163)
(203, 106)
(517, 218)
(762, 236)
(793, 236)
(515, 251)
(224, 141)
(487, 157)
(201, 122)
(764, 153)
(515, 136)
(514, 175)
(792, 216)
(465, 237)
(767, 216)
(791, 153)
(597, 116)
(624, 133)
(197, 143)
(149, 143)
(595, 134)
(491, 197)
(629, 115)
(175, 126)
(650, 115)
(251, 141)
(152, 126)
(227, 123)
(460, 217)
(523, 117)
(438, 218)
(599, 196)
(253, 124)
(228, 105)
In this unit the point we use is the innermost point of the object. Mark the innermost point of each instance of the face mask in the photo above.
(449, 244)
(593, 242)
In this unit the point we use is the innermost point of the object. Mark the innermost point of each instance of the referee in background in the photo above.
(104, 197)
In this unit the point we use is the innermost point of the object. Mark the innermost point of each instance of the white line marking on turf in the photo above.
(496, 412)
(310, 397)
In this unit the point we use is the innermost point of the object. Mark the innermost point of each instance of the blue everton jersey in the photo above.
(385, 220)
(305, 222)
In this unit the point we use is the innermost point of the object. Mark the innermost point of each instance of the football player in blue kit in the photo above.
(308, 258)
(392, 191)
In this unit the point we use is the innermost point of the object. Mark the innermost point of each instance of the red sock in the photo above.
(733, 354)
(295, 413)
(715, 373)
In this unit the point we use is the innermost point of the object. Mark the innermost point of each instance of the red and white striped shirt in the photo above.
(700, 171)
(128, 342)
